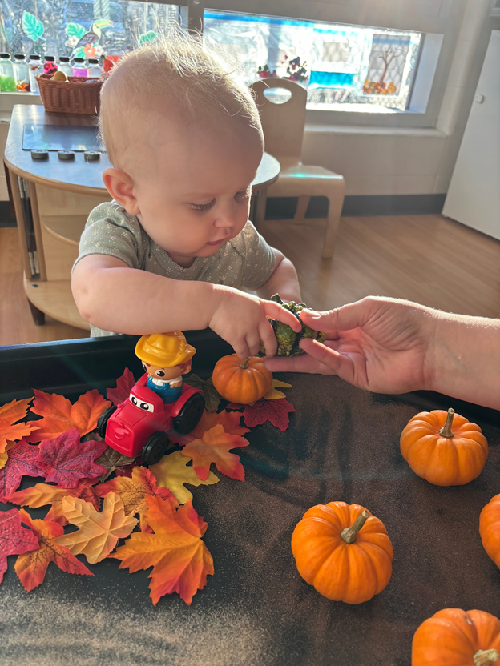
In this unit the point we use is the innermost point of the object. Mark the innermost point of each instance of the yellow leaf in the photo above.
(10, 413)
(273, 393)
(172, 473)
(99, 531)
(3, 460)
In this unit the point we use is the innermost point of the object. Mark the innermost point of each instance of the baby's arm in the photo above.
(283, 280)
(112, 296)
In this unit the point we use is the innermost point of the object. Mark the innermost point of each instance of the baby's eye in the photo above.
(243, 195)
(206, 206)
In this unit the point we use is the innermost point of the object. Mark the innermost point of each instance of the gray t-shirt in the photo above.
(245, 262)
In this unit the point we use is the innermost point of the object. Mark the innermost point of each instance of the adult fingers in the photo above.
(303, 363)
(275, 311)
(345, 318)
(268, 338)
(341, 364)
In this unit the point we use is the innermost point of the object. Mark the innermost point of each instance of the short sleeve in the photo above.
(112, 231)
(259, 259)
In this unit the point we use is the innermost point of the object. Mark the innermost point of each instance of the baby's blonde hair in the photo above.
(180, 70)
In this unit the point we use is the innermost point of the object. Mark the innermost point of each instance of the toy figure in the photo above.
(165, 358)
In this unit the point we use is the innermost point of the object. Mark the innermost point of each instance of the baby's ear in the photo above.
(120, 186)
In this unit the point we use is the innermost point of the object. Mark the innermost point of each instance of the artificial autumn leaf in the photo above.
(181, 561)
(230, 421)
(122, 390)
(273, 393)
(275, 411)
(3, 459)
(14, 538)
(214, 447)
(111, 460)
(172, 472)
(212, 398)
(43, 493)
(22, 461)
(10, 413)
(133, 491)
(59, 415)
(127, 470)
(99, 531)
(32, 566)
(65, 460)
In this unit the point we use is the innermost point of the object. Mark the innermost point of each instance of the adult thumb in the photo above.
(344, 318)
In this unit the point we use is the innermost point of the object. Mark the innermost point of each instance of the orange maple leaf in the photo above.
(10, 413)
(59, 415)
(99, 531)
(230, 421)
(181, 562)
(31, 567)
(134, 491)
(214, 446)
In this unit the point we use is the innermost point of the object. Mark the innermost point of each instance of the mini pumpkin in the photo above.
(343, 551)
(489, 529)
(242, 381)
(444, 448)
(456, 637)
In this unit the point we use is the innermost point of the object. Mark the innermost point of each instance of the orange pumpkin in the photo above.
(343, 551)
(489, 529)
(444, 448)
(457, 638)
(241, 381)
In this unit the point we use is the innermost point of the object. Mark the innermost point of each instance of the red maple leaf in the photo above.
(65, 460)
(123, 386)
(127, 470)
(22, 461)
(14, 538)
(59, 415)
(214, 446)
(32, 566)
(275, 411)
(230, 421)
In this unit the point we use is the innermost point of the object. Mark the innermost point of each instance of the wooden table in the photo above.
(53, 199)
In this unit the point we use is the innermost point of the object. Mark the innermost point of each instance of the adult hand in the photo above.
(378, 344)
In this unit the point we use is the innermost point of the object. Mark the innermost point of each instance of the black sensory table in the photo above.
(342, 444)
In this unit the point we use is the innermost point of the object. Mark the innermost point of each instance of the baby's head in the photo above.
(185, 140)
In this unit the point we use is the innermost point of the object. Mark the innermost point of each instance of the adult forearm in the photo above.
(125, 300)
(283, 282)
(465, 358)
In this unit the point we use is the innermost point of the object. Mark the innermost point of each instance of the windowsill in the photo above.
(9, 99)
(381, 131)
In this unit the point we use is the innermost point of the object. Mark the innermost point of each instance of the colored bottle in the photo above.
(7, 80)
(93, 69)
(35, 69)
(21, 73)
(64, 65)
(79, 68)
(49, 66)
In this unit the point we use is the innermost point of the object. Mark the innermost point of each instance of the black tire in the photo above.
(102, 423)
(190, 414)
(155, 448)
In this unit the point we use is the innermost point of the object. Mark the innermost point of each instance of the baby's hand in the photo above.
(241, 320)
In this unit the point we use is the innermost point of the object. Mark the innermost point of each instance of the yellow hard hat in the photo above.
(164, 350)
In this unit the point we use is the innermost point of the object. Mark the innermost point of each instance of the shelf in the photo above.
(66, 229)
(56, 300)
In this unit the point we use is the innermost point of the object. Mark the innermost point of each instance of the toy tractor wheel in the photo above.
(102, 423)
(190, 414)
(155, 448)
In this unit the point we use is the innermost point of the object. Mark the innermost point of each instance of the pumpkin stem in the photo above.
(350, 534)
(446, 429)
(485, 657)
(244, 364)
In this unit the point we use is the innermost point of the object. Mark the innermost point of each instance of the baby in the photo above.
(174, 248)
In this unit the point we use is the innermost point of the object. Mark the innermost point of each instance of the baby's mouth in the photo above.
(219, 242)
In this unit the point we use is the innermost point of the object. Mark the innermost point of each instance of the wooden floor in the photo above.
(423, 258)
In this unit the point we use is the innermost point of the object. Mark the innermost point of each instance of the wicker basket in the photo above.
(78, 94)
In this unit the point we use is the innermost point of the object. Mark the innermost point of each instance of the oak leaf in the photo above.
(14, 538)
(214, 447)
(181, 561)
(230, 421)
(172, 472)
(10, 430)
(212, 397)
(133, 491)
(273, 393)
(112, 460)
(65, 460)
(122, 390)
(274, 411)
(43, 493)
(59, 415)
(22, 461)
(98, 532)
(31, 567)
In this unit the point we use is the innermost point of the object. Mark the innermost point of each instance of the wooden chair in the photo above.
(283, 126)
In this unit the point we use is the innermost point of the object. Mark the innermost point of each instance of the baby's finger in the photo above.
(275, 311)
(268, 338)
(241, 348)
(253, 342)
